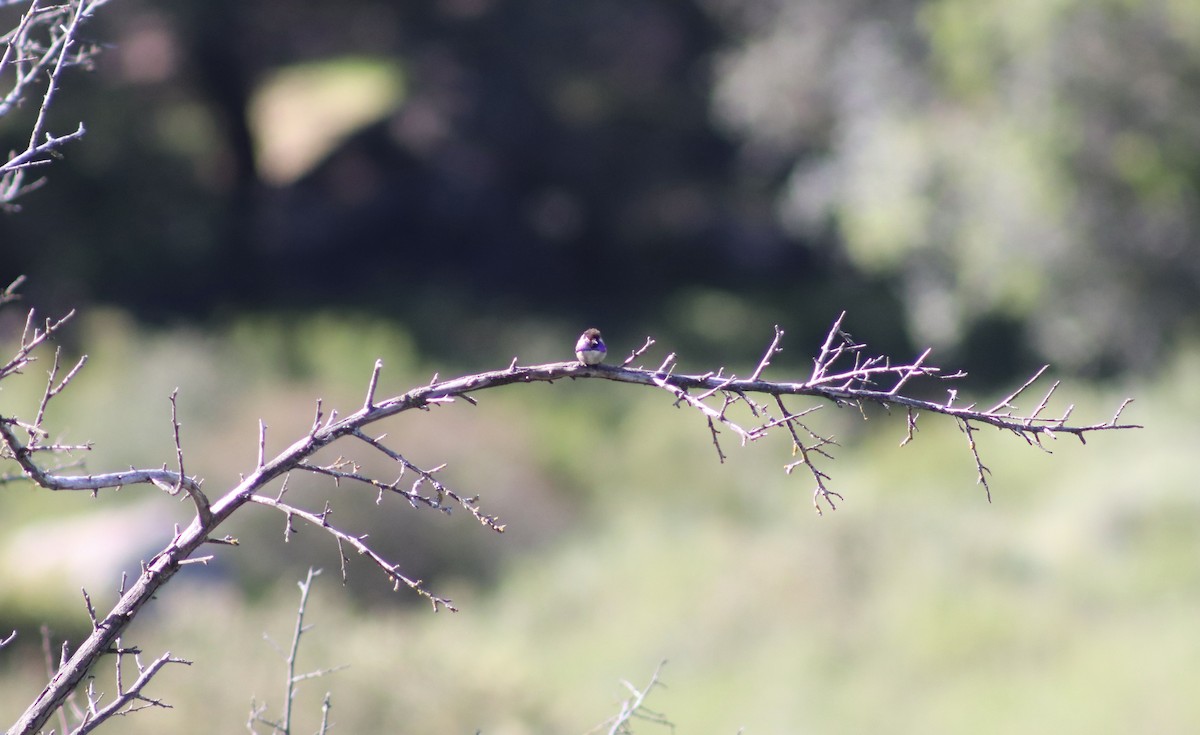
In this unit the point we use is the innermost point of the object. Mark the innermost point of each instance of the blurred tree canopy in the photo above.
(1034, 163)
(993, 178)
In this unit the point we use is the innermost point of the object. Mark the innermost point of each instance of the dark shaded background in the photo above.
(612, 162)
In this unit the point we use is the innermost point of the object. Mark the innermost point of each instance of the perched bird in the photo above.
(590, 348)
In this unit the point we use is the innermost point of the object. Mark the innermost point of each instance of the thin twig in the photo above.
(290, 661)
(981, 470)
(320, 520)
(635, 707)
(372, 385)
(766, 358)
(1007, 401)
(636, 353)
(192, 487)
(130, 700)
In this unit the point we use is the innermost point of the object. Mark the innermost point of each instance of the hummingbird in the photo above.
(590, 348)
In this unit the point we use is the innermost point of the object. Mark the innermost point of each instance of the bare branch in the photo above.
(844, 374)
(31, 337)
(798, 445)
(911, 422)
(638, 352)
(131, 699)
(91, 609)
(981, 470)
(161, 478)
(321, 520)
(371, 386)
(52, 391)
(289, 695)
(1046, 400)
(182, 480)
(9, 294)
(716, 442)
(682, 396)
(35, 53)
(326, 706)
(1007, 402)
(828, 352)
(634, 708)
(909, 371)
(471, 504)
(316, 424)
(1116, 417)
(766, 358)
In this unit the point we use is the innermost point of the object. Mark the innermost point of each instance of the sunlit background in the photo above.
(272, 195)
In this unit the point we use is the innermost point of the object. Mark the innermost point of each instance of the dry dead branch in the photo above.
(844, 374)
(33, 56)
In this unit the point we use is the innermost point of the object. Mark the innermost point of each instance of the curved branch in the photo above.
(843, 374)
